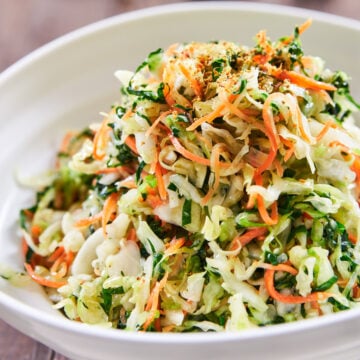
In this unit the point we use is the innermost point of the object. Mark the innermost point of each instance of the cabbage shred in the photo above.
(220, 193)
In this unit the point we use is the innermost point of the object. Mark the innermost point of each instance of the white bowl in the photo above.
(64, 85)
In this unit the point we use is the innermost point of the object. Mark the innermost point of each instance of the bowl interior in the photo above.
(67, 83)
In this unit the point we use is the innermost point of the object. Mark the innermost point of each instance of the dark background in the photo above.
(27, 24)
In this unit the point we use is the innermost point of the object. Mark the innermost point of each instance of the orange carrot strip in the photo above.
(207, 118)
(131, 143)
(248, 236)
(36, 230)
(279, 267)
(304, 26)
(122, 170)
(41, 280)
(156, 122)
(290, 299)
(352, 238)
(244, 116)
(167, 94)
(69, 258)
(251, 201)
(186, 153)
(355, 167)
(279, 168)
(160, 181)
(269, 220)
(130, 184)
(89, 220)
(56, 254)
(59, 268)
(170, 93)
(325, 129)
(100, 139)
(194, 83)
(131, 235)
(153, 301)
(174, 245)
(269, 122)
(66, 141)
(291, 147)
(301, 80)
(110, 207)
(153, 200)
(267, 163)
(24, 246)
(216, 169)
(266, 46)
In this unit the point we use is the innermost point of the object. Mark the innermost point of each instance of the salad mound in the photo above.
(220, 193)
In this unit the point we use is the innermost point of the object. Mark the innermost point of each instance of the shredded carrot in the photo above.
(303, 27)
(207, 118)
(131, 235)
(269, 220)
(174, 245)
(269, 121)
(352, 238)
(59, 268)
(41, 280)
(167, 94)
(267, 163)
(153, 301)
(316, 306)
(56, 254)
(186, 153)
(267, 49)
(122, 170)
(160, 181)
(172, 96)
(279, 168)
(130, 184)
(131, 143)
(24, 246)
(69, 258)
(216, 169)
(301, 80)
(355, 166)
(290, 299)
(156, 122)
(110, 207)
(171, 49)
(291, 147)
(324, 130)
(242, 114)
(89, 220)
(251, 201)
(297, 114)
(280, 267)
(248, 236)
(36, 230)
(154, 200)
(101, 138)
(194, 83)
(66, 142)
(356, 291)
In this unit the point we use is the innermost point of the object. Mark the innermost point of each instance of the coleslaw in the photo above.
(221, 192)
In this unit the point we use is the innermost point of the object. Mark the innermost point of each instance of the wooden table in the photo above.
(28, 24)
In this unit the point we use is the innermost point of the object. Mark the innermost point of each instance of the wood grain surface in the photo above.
(27, 24)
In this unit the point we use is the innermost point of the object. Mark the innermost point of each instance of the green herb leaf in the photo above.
(327, 284)
(217, 68)
(186, 212)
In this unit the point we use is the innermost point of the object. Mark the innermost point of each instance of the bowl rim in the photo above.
(65, 324)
